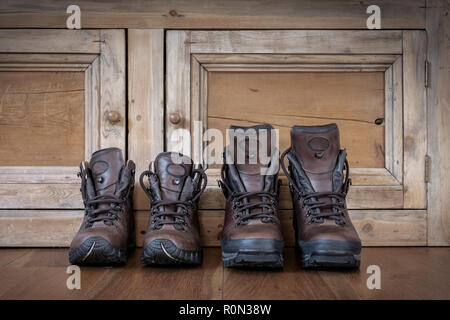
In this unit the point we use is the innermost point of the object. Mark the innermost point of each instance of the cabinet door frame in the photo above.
(401, 184)
(394, 197)
(100, 54)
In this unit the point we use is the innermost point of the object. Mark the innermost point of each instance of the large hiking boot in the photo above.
(173, 230)
(251, 236)
(324, 232)
(107, 230)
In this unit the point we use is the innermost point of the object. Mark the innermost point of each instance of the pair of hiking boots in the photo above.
(252, 235)
(108, 231)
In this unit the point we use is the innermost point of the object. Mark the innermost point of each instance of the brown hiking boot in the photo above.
(324, 232)
(251, 235)
(107, 230)
(173, 231)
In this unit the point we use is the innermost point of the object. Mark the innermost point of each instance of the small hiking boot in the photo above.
(107, 230)
(251, 236)
(173, 230)
(325, 235)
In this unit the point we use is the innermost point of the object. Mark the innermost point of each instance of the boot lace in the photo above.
(313, 207)
(112, 212)
(158, 210)
(310, 201)
(245, 209)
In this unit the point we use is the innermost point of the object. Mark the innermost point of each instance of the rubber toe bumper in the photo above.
(97, 251)
(264, 253)
(330, 253)
(165, 252)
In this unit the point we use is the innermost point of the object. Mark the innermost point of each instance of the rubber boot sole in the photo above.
(252, 253)
(97, 251)
(330, 253)
(165, 252)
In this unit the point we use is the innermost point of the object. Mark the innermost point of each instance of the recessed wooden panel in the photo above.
(354, 100)
(42, 118)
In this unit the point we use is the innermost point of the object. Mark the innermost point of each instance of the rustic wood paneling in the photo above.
(101, 88)
(57, 227)
(40, 196)
(297, 41)
(45, 228)
(287, 59)
(42, 118)
(49, 41)
(178, 73)
(359, 197)
(112, 87)
(217, 14)
(415, 124)
(353, 100)
(39, 174)
(438, 112)
(146, 102)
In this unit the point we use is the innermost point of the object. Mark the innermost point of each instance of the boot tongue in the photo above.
(174, 172)
(317, 148)
(247, 142)
(105, 166)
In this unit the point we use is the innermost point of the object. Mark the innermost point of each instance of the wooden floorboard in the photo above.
(406, 273)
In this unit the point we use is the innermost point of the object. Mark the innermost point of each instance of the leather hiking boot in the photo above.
(251, 236)
(173, 230)
(107, 230)
(324, 232)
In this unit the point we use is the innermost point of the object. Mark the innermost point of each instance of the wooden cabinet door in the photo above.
(57, 91)
(371, 83)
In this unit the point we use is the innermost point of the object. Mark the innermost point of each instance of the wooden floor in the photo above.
(406, 273)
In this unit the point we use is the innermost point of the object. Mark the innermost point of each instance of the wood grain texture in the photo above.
(353, 100)
(56, 228)
(438, 112)
(46, 228)
(406, 273)
(146, 102)
(42, 118)
(40, 196)
(359, 197)
(287, 59)
(178, 86)
(37, 174)
(93, 110)
(203, 282)
(217, 14)
(49, 41)
(402, 277)
(414, 125)
(41, 274)
(112, 87)
(297, 41)
(393, 120)
(48, 58)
